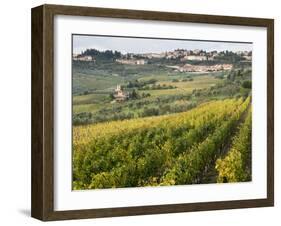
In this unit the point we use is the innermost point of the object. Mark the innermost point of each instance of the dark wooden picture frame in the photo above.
(42, 203)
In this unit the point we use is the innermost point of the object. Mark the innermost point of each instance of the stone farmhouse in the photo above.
(120, 95)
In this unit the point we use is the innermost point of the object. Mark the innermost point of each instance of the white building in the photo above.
(131, 61)
(83, 58)
(195, 57)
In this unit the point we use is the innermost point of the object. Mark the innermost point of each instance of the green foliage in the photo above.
(111, 96)
(134, 94)
(229, 57)
(150, 111)
(140, 84)
(157, 87)
(82, 118)
(135, 107)
(161, 150)
(234, 167)
(191, 165)
(247, 84)
(102, 55)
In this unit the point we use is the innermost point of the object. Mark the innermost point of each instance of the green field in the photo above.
(170, 92)
(94, 101)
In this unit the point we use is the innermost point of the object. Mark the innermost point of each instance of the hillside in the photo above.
(163, 150)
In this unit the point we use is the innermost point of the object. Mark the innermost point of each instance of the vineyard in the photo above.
(174, 149)
(235, 166)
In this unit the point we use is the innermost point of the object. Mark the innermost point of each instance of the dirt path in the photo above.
(211, 175)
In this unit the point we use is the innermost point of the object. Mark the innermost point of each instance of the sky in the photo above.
(146, 45)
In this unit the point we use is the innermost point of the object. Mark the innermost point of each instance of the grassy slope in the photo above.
(94, 102)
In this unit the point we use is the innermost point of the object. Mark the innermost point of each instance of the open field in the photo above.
(164, 90)
(94, 101)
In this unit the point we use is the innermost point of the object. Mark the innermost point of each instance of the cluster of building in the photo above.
(194, 55)
(78, 57)
(202, 68)
(196, 58)
(132, 61)
(182, 54)
(153, 55)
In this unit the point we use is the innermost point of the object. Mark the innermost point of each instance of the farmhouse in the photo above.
(83, 58)
(120, 95)
(204, 68)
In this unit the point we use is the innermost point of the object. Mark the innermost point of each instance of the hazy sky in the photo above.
(143, 45)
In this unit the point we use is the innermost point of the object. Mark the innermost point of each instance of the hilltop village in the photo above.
(182, 60)
(181, 54)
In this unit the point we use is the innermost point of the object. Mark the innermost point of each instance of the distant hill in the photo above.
(102, 55)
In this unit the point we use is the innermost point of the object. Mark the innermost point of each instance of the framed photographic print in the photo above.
(141, 112)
